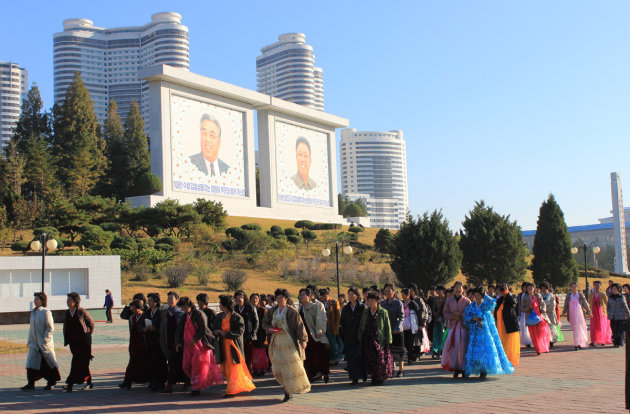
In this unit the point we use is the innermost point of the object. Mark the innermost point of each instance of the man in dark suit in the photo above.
(303, 160)
(207, 161)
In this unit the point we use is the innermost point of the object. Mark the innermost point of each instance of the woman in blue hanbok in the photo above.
(485, 355)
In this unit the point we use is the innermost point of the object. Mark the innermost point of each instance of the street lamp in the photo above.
(596, 250)
(347, 250)
(45, 243)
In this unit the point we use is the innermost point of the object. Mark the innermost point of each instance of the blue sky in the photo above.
(501, 101)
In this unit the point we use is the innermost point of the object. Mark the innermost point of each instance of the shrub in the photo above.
(203, 278)
(211, 212)
(251, 226)
(124, 242)
(176, 275)
(230, 245)
(154, 230)
(234, 279)
(94, 237)
(275, 229)
(20, 246)
(114, 227)
(291, 232)
(63, 242)
(326, 226)
(235, 232)
(50, 231)
(148, 183)
(164, 247)
(142, 272)
(356, 229)
(144, 243)
(294, 239)
(303, 224)
(170, 240)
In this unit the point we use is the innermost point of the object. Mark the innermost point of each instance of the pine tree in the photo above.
(493, 247)
(135, 144)
(116, 178)
(13, 167)
(77, 144)
(383, 241)
(32, 136)
(425, 251)
(553, 261)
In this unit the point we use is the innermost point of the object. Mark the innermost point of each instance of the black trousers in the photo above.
(617, 327)
(108, 313)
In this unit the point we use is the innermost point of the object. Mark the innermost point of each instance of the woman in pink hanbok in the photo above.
(575, 306)
(600, 325)
(199, 362)
(456, 345)
(539, 333)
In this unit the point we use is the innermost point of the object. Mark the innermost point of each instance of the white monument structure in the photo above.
(89, 276)
(619, 220)
(202, 146)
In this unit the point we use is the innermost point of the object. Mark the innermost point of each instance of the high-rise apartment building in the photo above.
(109, 59)
(13, 89)
(375, 163)
(286, 70)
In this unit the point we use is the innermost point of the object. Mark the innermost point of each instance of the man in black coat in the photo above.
(250, 318)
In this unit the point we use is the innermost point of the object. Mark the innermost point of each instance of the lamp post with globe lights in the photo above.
(347, 250)
(45, 243)
(595, 250)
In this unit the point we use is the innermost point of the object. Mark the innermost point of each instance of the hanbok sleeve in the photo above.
(470, 313)
(488, 304)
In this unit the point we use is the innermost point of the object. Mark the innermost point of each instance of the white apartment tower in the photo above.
(375, 163)
(13, 90)
(109, 59)
(286, 70)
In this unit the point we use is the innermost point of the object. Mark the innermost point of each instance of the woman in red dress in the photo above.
(539, 333)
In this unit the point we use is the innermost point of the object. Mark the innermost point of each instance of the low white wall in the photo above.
(20, 277)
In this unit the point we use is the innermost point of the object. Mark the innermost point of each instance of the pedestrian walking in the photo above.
(78, 327)
(41, 361)
(109, 304)
(286, 346)
(575, 307)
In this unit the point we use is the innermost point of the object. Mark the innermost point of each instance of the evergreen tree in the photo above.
(135, 144)
(32, 136)
(553, 261)
(493, 247)
(116, 179)
(425, 251)
(13, 166)
(383, 241)
(77, 144)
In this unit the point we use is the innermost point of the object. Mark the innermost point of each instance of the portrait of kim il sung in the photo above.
(207, 161)
(303, 159)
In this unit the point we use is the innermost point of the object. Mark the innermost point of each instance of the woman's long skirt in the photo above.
(511, 341)
(287, 365)
(455, 348)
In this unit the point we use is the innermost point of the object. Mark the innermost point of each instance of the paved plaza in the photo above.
(564, 381)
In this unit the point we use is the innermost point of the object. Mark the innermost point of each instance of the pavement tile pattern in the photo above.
(564, 381)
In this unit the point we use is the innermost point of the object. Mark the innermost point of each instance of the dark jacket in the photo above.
(109, 301)
(210, 316)
(200, 162)
(202, 332)
(349, 323)
(261, 335)
(510, 313)
(162, 328)
(250, 318)
(237, 327)
(126, 312)
(86, 321)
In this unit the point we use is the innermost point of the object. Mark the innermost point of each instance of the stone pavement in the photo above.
(564, 381)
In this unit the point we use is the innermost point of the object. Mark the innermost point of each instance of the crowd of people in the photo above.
(376, 331)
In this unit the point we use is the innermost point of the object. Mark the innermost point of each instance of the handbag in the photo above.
(532, 319)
